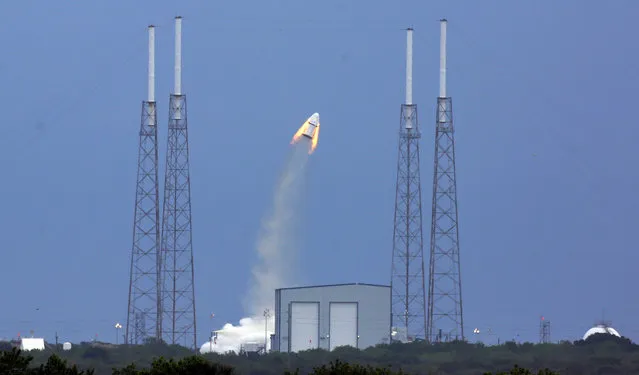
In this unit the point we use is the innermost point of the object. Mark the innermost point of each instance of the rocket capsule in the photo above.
(310, 130)
(311, 126)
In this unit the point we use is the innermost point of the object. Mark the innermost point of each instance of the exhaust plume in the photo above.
(276, 245)
(276, 249)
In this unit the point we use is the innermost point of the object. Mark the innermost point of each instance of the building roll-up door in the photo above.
(304, 323)
(343, 324)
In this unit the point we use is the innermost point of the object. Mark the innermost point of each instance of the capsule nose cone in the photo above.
(314, 118)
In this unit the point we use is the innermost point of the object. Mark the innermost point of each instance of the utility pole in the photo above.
(211, 342)
(267, 315)
(117, 333)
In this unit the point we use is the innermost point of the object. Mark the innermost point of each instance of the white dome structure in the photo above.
(601, 328)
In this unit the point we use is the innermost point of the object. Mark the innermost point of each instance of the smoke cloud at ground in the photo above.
(276, 249)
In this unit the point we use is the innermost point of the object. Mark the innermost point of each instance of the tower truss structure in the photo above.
(143, 317)
(178, 281)
(408, 302)
(544, 331)
(445, 314)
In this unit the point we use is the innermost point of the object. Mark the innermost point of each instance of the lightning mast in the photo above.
(445, 314)
(178, 296)
(408, 302)
(143, 316)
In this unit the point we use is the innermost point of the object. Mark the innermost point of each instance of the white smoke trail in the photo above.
(276, 249)
(276, 246)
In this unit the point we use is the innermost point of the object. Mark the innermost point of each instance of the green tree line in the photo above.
(600, 354)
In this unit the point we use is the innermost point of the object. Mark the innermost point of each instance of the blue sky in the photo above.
(543, 94)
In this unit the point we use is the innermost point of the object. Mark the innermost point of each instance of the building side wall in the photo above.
(373, 307)
(27, 344)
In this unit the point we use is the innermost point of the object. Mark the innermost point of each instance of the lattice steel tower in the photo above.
(445, 314)
(544, 331)
(178, 291)
(144, 287)
(408, 302)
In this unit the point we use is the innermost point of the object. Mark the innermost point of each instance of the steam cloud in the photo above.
(276, 249)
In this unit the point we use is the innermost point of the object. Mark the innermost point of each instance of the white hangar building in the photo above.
(329, 316)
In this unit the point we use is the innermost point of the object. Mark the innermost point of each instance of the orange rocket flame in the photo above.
(314, 141)
(299, 133)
